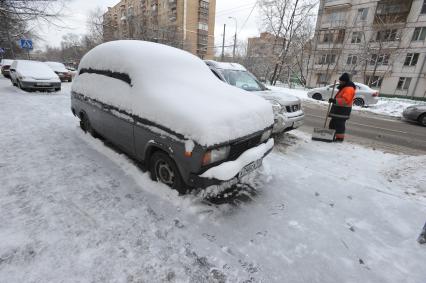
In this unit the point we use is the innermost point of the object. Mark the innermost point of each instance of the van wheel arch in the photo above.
(156, 155)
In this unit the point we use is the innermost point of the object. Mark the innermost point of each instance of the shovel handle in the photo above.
(329, 105)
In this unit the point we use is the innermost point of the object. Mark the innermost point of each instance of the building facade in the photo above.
(382, 43)
(185, 24)
(262, 53)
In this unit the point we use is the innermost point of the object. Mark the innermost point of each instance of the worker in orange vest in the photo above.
(342, 106)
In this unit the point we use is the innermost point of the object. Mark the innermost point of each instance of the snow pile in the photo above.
(57, 67)
(36, 70)
(386, 106)
(175, 89)
(390, 106)
(228, 170)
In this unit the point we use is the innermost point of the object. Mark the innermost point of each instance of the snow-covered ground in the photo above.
(386, 106)
(75, 210)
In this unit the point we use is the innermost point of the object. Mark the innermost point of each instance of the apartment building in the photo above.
(185, 24)
(382, 43)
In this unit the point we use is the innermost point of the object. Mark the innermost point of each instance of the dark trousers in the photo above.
(340, 126)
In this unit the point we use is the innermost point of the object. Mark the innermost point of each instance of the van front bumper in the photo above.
(246, 162)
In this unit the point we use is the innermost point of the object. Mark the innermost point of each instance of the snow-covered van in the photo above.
(163, 107)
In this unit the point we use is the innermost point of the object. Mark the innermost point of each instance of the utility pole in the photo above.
(235, 36)
(223, 42)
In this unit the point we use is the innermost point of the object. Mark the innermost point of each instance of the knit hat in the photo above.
(345, 77)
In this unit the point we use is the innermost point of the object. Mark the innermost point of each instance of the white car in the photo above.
(33, 75)
(288, 113)
(364, 95)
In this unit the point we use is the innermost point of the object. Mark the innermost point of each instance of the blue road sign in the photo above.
(26, 43)
(2, 50)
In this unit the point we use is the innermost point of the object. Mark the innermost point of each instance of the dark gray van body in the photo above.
(140, 138)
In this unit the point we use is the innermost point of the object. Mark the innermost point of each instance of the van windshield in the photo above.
(242, 79)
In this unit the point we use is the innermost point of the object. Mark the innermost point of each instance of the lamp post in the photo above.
(235, 36)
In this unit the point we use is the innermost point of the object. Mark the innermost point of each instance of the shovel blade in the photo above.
(322, 134)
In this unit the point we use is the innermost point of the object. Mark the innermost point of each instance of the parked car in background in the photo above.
(288, 113)
(415, 113)
(164, 108)
(5, 67)
(364, 95)
(33, 75)
(63, 73)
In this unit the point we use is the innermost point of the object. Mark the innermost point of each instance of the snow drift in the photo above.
(173, 88)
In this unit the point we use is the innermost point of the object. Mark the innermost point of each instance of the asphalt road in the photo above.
(377, 129)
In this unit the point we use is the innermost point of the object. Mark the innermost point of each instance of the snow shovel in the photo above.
(324, 134)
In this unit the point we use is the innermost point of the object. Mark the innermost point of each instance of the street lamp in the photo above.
(235, 37)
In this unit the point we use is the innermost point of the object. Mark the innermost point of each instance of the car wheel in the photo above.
(359, 102)
(86, 126)
(317, 96)
(164, 170)
(70, 80)
(422, 119)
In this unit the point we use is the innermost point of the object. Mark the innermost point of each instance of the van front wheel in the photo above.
(164, 170)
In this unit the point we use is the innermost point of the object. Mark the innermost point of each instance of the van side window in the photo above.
(115, 75)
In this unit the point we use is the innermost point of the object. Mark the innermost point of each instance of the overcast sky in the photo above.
(76, 13)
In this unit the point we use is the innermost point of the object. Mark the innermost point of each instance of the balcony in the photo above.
(337, 4)
(392, 11)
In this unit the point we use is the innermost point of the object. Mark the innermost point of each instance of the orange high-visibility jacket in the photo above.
(345, 96)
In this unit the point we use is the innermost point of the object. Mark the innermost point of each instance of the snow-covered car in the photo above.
(415, 113)
(164, 108)
(63, 73)
(288, 113)
(364, 95)
(5, 67)
(33, 75)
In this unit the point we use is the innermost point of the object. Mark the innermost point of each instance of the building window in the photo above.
(341, 36)
(203, 26)
(323, 79)
(423, 7)
(386, 35)
(419, 34)
(374, 81)
(326, 59)
(411, 59)
(382, 59)
(356, 37)
(327, 38)
(362, 14)
(352, 59)
(204, 4)
(403, 83)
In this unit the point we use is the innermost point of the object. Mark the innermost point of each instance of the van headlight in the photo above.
(215, 155)
(265, 136)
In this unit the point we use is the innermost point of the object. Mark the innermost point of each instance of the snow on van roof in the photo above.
(226, 65)
(173, 88)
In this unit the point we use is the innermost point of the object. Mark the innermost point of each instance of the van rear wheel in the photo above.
(164, 170)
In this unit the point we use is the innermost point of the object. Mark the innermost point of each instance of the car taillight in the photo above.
(376, 94)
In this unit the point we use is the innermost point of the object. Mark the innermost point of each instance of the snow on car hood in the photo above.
(280, 97)
(175, 89)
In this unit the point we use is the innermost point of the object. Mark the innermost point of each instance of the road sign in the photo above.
(26, 43)
(2, 50)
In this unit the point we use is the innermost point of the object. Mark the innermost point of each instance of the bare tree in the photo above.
(16, 16)
(284, 19)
